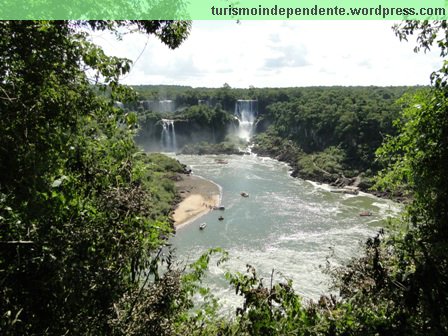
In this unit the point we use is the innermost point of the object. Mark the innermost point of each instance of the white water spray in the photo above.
(168, 140)
(245, 112)
(161, 106)
(166, 106)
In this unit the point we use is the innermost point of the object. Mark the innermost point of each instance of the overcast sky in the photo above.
(277, 54)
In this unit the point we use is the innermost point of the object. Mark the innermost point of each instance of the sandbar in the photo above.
(199, 196)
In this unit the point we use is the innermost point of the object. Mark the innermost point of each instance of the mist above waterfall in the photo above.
(160, 106)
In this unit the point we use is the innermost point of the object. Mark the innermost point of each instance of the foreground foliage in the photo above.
(84, 214)
(82, 211)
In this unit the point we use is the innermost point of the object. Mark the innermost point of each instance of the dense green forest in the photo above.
(84, 212)
(324, 133)
(194, 124)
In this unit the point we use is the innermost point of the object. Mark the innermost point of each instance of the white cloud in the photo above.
(277, 53)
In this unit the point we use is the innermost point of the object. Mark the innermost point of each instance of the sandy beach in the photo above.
(199, 196)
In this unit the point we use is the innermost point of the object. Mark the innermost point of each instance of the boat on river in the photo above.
(202, 226)
(219, 208)
(244, 194)
(365, 213)
(282, 220)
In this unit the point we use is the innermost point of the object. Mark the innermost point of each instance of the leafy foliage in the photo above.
(204, 148)
(401, 283)
(195, 124)
(82, 210)
(354, 119)
(84, 213)
(329, 162)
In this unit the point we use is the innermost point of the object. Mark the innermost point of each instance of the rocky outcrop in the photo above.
(290, 154)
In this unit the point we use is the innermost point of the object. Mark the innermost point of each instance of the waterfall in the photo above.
(166, 106)
(168, 140)
(245, 112)
(161, 106)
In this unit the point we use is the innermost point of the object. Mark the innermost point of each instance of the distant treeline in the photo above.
(226, 96)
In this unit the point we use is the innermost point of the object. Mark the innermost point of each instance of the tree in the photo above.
(226, 97)
(81, 210)
(402, 282)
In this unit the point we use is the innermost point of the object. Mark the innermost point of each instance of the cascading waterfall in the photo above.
(166, 106)
(162, 106)
(168, 138)
(245, 112)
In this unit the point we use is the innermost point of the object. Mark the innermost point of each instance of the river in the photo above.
(286, 224)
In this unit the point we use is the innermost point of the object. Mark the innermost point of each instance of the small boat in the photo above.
(365, 213)
(220, 218)
(202, 226)
(244, 194)
(221, 161)
(219, 208)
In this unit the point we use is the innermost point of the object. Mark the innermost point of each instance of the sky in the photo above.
(277, 54)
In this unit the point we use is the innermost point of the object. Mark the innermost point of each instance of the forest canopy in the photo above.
(84, 212)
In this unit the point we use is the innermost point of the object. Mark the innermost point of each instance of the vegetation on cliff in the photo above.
(324, 133)
(82, 210)
(204, 148)
(193, 124)
(83, 213)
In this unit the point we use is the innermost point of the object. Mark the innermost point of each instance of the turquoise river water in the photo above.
(286, 224)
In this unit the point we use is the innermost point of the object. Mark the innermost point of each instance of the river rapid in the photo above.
(286, 224)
